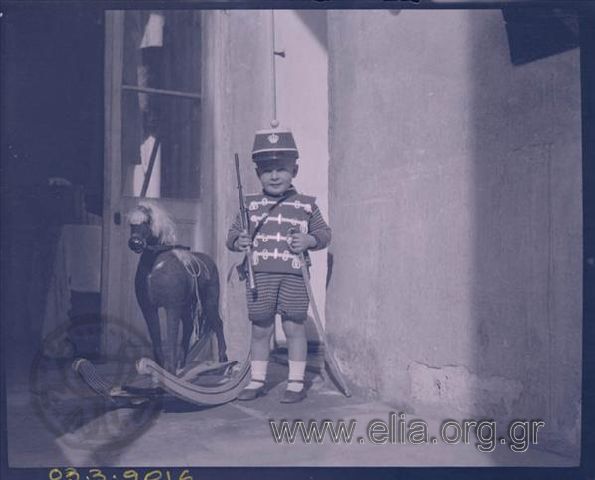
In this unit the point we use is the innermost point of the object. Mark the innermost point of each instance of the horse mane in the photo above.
(163, 228)
(161, 224)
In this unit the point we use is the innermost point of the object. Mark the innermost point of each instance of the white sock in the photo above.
(258, 372)
(295, 382)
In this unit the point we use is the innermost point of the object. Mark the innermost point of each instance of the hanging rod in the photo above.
(159, 91)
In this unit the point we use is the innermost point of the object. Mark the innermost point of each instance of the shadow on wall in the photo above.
(526, 279)
(315, 20)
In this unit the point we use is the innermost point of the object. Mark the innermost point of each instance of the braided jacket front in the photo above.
(271, 252)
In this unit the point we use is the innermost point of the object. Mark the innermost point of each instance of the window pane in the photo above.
(162, 50)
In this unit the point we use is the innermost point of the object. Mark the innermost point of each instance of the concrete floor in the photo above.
(235, 434)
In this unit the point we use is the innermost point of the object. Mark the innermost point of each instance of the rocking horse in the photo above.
(185, 284)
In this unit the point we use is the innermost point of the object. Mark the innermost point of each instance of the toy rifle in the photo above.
(246, 271)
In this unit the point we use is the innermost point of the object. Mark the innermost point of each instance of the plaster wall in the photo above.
(455, 199)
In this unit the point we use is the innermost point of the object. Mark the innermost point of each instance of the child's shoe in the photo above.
(253, 393)
(294, 396)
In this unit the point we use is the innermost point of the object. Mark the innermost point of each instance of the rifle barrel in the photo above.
(240, 193)
(245, 221)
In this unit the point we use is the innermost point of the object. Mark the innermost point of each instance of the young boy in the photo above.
(283, 224)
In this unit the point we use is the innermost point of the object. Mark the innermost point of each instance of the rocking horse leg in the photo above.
(221, 345)
(152, 318)
(187, 326)
(174, 316)
(212, 318)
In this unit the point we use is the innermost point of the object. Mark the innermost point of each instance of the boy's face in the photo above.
(276, 177)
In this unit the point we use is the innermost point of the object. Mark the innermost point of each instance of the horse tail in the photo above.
(195, 268)
(205, 313)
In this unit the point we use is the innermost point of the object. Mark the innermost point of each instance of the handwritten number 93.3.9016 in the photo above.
(71, 473)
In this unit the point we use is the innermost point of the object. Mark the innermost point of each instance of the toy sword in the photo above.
(330, 363)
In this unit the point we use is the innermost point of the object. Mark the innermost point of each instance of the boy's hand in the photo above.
(301, 241)
(243, 242)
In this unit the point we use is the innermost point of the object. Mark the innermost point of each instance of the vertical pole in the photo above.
(274, 121)
(111, 233)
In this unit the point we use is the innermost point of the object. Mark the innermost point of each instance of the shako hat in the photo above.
(274, 144)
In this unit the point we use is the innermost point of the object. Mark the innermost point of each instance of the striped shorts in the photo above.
(281, 293)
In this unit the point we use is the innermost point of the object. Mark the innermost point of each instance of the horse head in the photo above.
(149, 226)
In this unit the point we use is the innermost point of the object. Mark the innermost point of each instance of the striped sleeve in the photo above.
(319, 229)
(234, 233)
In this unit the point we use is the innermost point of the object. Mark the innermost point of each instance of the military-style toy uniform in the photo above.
(279, 282)
(280, 286)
